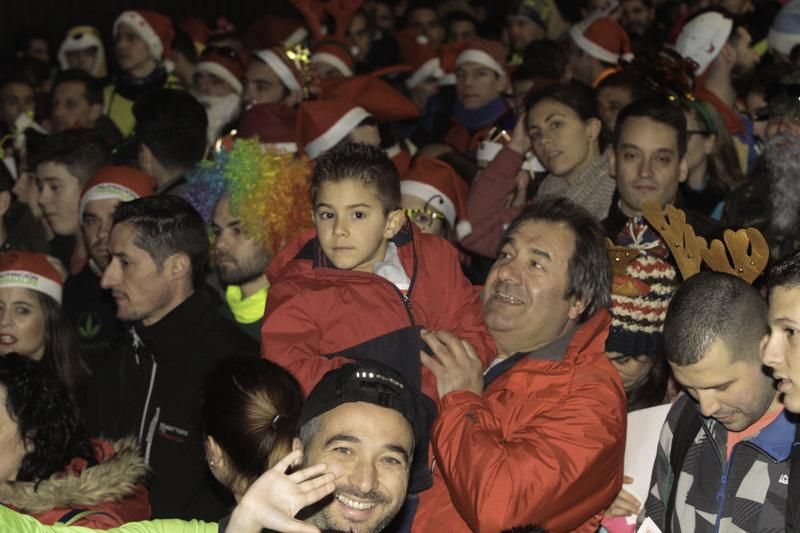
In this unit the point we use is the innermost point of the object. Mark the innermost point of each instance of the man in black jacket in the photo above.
(151, 384)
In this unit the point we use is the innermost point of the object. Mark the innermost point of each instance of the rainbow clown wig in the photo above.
(268, 189)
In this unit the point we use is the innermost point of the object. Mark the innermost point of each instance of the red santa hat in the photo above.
(322, 124)
(283, 67)
(272, 30)
(435, 182)
(490, 54)
(272, 124)
(228, 67)
(448, 53)
(31, 270)
(117, 182)
(335, 53)
(154, 28)
(373, 94)
(416, 52)
(602, 38)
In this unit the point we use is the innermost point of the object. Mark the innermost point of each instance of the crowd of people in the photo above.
(404, 266)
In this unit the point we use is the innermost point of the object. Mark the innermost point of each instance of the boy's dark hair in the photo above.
(658, 110)
(711, 306)
(577, 96)
(172, 124)
(82, 151)
(786, 272)
(167, 225)
(589, 270)
(543, 58)
(357, 161)
(628, 81)
(92, 86)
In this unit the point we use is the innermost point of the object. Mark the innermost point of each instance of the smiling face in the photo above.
(736, 392)
(781, 351)
(22, 322)
(59, 197)
(477, 85)
(524, 299)
(352, 228)
(368, 448)
(646, 164)
(562, 141)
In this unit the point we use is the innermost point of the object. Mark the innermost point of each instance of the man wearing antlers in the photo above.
(723, 457)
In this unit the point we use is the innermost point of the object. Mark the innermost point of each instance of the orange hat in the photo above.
(322, 124)
(271, 30)
(154, 28)
(602, 38)
(31, 270)
(272, 123)
(229, 67)
(120, 182)
(435, 182)
(491, 54)
(336, 53)
(416, 51)
(283, 67)
(373, 94)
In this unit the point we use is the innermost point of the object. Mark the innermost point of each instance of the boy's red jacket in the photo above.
(544, 445)
(318, 317)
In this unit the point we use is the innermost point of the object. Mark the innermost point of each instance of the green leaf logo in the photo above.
(89, 325)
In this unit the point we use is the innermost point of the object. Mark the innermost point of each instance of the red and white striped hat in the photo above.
(31, 270)
(322, 124)
(491, 54)
(272, 124)
(416, 52)
(154, 28)
(435, 182)
(335, 53)
(119, 182)
(284, 68)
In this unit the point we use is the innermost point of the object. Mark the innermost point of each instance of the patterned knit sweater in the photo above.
(592, 189)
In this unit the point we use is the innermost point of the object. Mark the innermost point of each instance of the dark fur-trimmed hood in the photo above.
(112, 479)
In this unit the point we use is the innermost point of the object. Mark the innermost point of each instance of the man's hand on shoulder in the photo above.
(454, 363)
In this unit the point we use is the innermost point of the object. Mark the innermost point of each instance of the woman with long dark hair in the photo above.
(32, 322)
(49, 468)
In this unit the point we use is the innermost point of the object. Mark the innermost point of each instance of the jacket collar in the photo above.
(778, 437)
(120, 468)
(196, 313)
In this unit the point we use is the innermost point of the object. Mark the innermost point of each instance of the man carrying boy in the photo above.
(366, 283)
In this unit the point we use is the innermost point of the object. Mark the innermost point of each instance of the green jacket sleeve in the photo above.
(11, 520)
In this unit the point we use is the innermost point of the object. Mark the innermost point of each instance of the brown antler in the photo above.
(670, 222)
(342, 12)
(312, 11)
(620, 256)
(747, 247)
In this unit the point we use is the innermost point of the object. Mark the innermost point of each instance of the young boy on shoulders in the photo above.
(366, 281)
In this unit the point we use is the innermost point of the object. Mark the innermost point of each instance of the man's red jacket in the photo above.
(544, 445)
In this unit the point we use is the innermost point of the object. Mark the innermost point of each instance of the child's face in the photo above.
(351, 225)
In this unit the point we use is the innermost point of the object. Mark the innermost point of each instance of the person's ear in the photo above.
(576, 308)
(612, 161)
(214, 454)
(394, 222)
(297, 445)
(708, 144)
(593, 128)
(502, 84)
(95, 112)
(683, 169)
(179, 266)
(146, 159)
(729, 52)
(5, 202)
